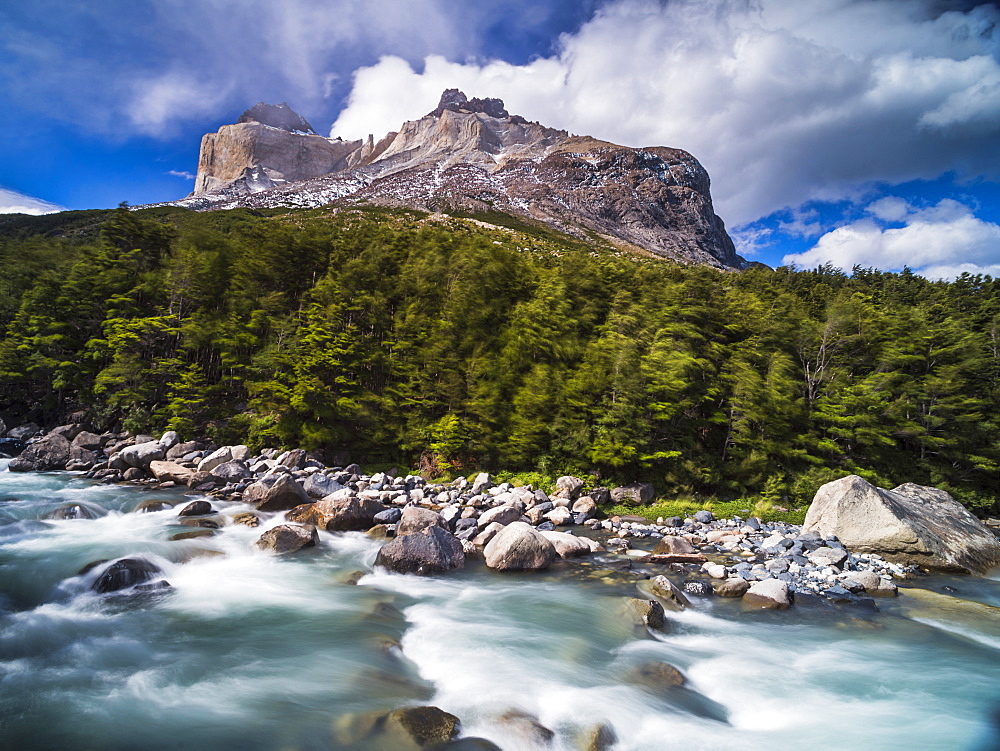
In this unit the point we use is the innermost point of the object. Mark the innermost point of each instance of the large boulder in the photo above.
(636, 492)
(351, 514)
(171, 472)
(770, 594)
(568, 486)
(231, 472)
(319, 485)
(125, 573)
(142, 454)
(48, 453)
(432, 550)
(217, 457)
(24, 432)
(569, 546)
(518, 547)
(910, 524)
(281, 495)
(415, 519)
(503, 515)
(90, 441)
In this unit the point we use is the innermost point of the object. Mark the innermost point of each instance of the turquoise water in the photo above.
(252, 651)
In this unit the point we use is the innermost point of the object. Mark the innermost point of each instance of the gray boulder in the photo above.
(910, 524)
(415, 519)
(141, 454)
(24, 432)
(500, 514)
(431, 550)
(569, 486)
(217, 457)
(636, 492)
(232, 471)
(46, 454)
(519, 547)
(169, 439)
(771, 594)
(183, 449)
(80, 458)
(351, 514)
(281, 495)
(89, 441)
(318, 485)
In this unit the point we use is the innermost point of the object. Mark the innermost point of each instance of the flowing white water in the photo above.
(253, 651)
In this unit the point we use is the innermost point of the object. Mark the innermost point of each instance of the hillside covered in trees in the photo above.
(453, 344)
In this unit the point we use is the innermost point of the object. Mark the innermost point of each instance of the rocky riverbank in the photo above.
(433, 527)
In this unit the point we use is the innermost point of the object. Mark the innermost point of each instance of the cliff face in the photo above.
(472, 155)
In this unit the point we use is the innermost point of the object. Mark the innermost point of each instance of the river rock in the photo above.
(519, 547)
(422, 726)
(874, 584)
(89, 441)
(217, 457)
(666, 592)
(735, 586)
(636, 492)
(825, 556)
(70, 511)
(196, 508)
(503, 515)
(169, 439)
(44, 455)
(526, 728)
(318, 485)
(415, 519)
(432, 550)
(569, 486)
(645, 612)
(566, 545)
(24, 432)
(183, 449)
(770, 594)
(352, 514)
(142, 454)
(585, 505)
(166, 471)
(673, 545)
(281, 495)
(655, 675)
(559, 516)
(288, 538)
(600, 737)
(910, 524)
(125, 573)
(233, 471)
(247, 519)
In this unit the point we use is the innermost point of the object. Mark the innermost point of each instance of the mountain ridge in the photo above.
(471, 155)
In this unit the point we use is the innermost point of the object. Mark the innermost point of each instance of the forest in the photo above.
(456, 344)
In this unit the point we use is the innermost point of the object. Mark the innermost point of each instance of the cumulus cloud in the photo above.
(784, 103)
(181, 173)
(939, 241)
(12, 202)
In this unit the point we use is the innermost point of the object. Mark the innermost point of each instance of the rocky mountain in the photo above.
(471, 155)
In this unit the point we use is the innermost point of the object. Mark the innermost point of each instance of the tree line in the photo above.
(456, 345)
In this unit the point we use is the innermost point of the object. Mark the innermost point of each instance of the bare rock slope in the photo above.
(472, 156)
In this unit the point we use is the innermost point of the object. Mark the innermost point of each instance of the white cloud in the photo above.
(939, 241)
(181, 173)
(784, 103)
(12, 202)
(162, 102)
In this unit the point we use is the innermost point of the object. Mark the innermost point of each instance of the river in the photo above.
(247, 650)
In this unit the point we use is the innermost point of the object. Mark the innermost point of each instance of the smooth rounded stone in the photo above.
(655, 675)
(569, 486)
(288, 538)
(318, 485)
(526, 728)
(874, 584)
(382, 531)
(214, 459)
(192, 534)
(502, 515)
(141, 454)
(432, 550)
(715, 570)
(619, 544)
(247, 519)
(182, 450)
(168, 471)
(826, 556)
(353, 514)
(568, 546)
(414, 519)
(389, 516)
(734, 586)
(169, 439)
(24, 432)
(673, 521)
(600, 737)
(673, 545)
(667, 682)
(481, 484)
(133, 473)
(196, 508)
(698, 588)
(704, 516)
(666, 592)
(910, 524)
(200, 479)
(585, 505)
(560, 516)
(47, 454)
(644, 612)
(152, 506)
(519, 547)
(124, 573)
(201, 521)
(770, 594)
(281, 495)
(636, 492)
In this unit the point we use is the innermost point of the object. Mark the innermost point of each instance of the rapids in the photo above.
(247, 650)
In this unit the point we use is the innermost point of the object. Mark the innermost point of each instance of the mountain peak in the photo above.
(457, 101)
(279, 116)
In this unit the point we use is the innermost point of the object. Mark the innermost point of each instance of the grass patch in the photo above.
(746, 507)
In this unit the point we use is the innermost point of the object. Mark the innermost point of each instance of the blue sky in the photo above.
(851, 131)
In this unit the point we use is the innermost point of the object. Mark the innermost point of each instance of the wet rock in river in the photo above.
(601, 737)
(666, 592)
(770, 594)
(288, 538)
(351, 514)
(282, 494)
(567, 545)
(414, 519)
(125, 573)
(526, 728)
(674, 545)
(48, 453)
(422, 726)
(196, 508)
(644, 612)
(70, 511)
(519, 547)
(432, 550)
(735, 586)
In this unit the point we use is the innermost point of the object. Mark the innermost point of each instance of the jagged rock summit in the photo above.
(471, 155)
